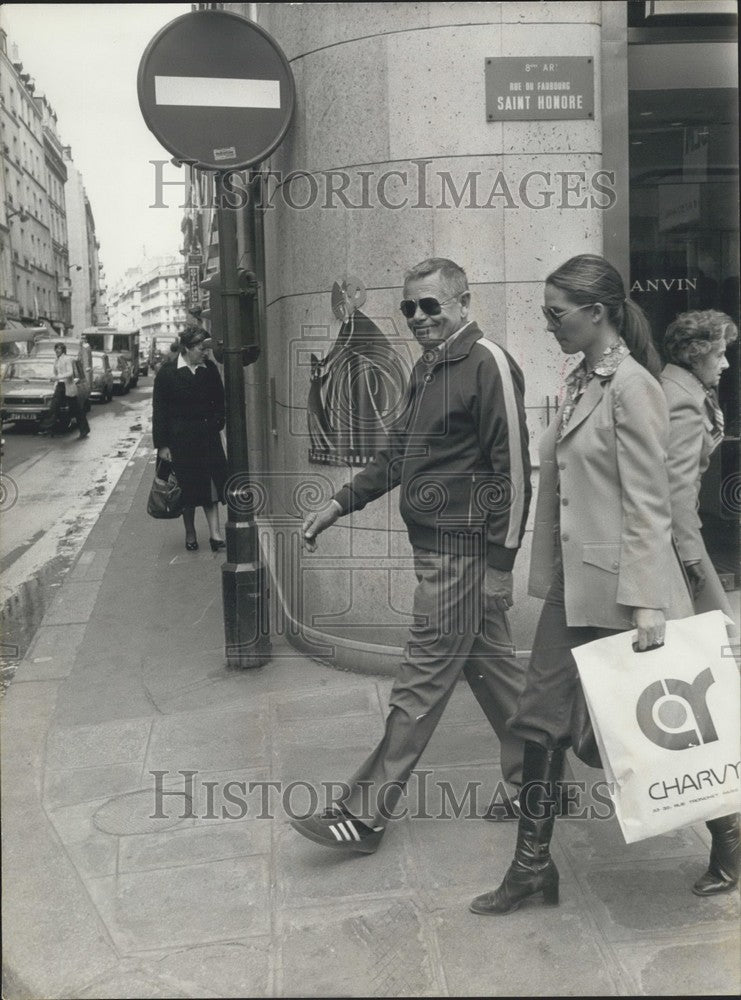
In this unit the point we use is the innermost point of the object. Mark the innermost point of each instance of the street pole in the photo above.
(244, 589)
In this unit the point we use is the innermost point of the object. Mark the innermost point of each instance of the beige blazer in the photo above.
(690, 448)
(606, 484)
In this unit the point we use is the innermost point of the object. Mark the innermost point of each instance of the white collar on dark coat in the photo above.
(182, 363)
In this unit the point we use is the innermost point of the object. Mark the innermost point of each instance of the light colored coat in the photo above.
(606, 482)
(690, 448)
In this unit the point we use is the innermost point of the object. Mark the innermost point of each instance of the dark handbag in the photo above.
(583, 742)
(165, 497)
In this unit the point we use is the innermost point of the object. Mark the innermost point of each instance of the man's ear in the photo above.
(465, 300)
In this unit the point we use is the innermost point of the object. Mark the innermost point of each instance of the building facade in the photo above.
(86, 283)
(33, 232)
(151, 297)
(125, 300)
(418, 132)
(56, 178)
(163, 311)
(49, 263)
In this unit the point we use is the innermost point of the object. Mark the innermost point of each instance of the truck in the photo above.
(116, 342)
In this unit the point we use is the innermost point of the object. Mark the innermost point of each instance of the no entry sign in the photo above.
(216, 90)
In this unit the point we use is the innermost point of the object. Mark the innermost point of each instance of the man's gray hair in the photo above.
(453, 276)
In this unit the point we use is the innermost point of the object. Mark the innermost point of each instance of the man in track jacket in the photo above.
(461, 460)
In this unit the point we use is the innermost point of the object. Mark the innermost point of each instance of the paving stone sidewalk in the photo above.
(123, 711)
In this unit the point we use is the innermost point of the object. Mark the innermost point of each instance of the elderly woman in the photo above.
(602, 552)
(188, 414)
(695, 347)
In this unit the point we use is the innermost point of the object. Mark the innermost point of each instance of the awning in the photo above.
(22, 334)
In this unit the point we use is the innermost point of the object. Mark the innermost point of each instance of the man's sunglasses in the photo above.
(430, 306)
(555, 317)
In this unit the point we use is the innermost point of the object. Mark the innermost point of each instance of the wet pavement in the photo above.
(52, 491)
(22, 613)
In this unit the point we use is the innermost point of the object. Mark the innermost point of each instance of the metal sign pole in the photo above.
(227, 112)
(244, 589)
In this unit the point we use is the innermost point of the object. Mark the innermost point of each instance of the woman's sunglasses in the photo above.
(555, 317)
(429, 305)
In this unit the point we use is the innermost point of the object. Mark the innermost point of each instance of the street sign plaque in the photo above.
(216, 90)
(539, 88)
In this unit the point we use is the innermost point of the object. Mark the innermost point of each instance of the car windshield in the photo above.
(29, 369)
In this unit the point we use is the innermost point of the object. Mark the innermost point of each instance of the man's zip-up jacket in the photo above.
(459, 452)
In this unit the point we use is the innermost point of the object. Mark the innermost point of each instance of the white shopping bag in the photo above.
(667, 724)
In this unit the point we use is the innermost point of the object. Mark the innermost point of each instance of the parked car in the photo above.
(17, 342)
(122, 374)
(102, 387)
(28, 386)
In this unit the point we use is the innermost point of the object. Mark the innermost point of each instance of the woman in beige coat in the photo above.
(695, 346)
(602, 546)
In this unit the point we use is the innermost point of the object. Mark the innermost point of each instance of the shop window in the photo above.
(684, 214)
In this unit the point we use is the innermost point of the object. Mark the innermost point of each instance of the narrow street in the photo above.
(53, 490)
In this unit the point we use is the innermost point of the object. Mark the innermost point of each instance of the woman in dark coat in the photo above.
(188, 414)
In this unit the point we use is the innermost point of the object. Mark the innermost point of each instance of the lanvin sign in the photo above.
(664, 285)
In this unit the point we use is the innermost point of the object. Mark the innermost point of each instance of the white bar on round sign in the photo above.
(216, 92)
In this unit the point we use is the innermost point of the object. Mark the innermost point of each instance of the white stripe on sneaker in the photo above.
(335, 833)
(352, 830)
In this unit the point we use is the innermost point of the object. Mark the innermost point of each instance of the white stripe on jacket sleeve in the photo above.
(517, 472)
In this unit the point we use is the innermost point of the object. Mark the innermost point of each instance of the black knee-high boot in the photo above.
(722, 873)
(532, 870)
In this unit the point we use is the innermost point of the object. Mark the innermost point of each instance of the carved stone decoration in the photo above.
(357, 391)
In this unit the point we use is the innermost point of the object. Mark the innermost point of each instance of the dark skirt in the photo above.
(199, 462)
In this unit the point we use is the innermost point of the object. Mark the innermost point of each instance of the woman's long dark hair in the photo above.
(588, 279)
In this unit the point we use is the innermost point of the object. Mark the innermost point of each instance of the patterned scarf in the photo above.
(578, 380)
(716, 416)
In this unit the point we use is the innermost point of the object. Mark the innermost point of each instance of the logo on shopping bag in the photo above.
(666, 707)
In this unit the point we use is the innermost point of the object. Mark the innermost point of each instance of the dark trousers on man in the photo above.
(57, 399)
(458, 627)
(76, 406)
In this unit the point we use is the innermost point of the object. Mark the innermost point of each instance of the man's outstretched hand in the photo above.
(315, 524)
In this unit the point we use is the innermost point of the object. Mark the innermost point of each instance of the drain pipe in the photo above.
(251, 255)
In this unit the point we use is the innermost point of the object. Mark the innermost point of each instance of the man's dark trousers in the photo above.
(457, 627)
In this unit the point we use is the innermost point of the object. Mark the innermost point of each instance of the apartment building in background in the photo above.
(151, 297)
(86, 282)
(49, 254)
(31, 229)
